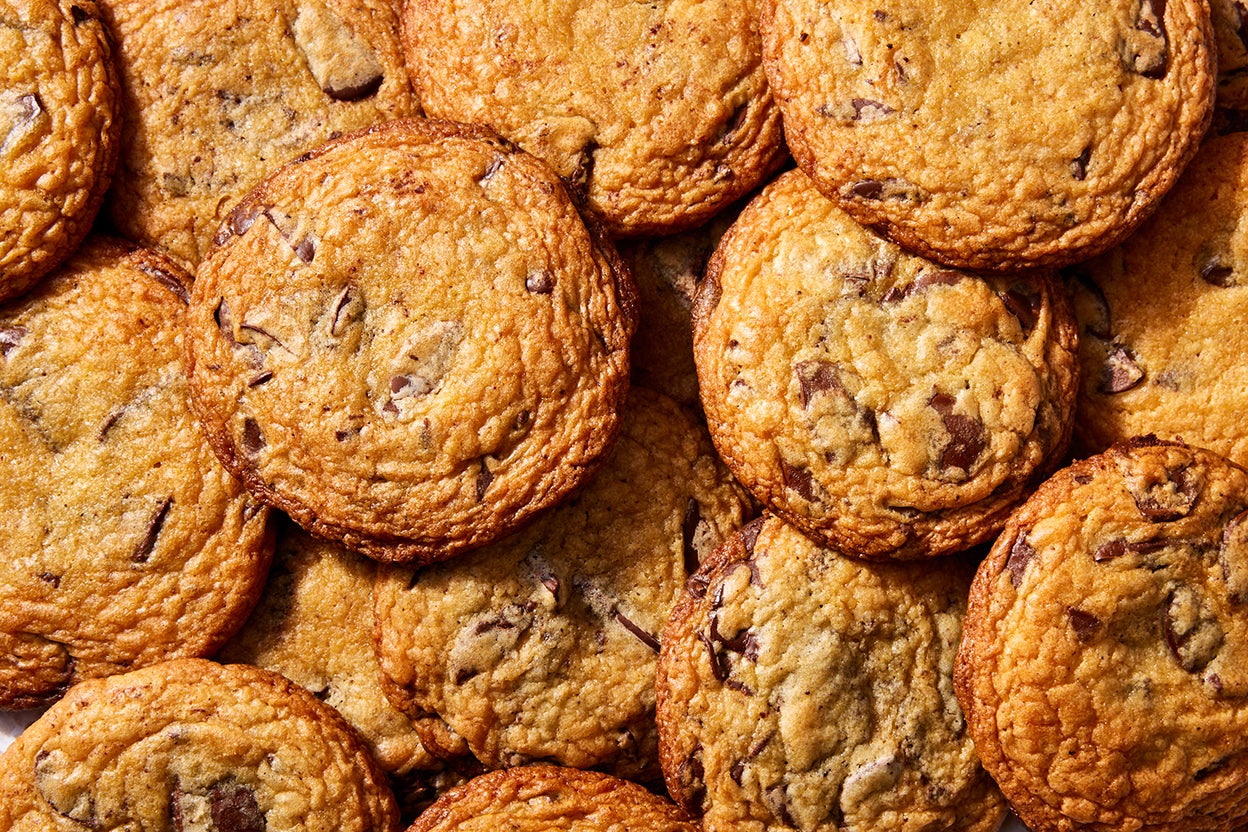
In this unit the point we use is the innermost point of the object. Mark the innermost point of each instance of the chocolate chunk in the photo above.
(10, 337)
(1169, 499)
(734, 122)
(345, 66)
(484, 477)
(967, 438)
(302, 243)
(1241, 20)
(1121, 372)
(348, 308)
(868, 189)
(154, 524)
(70, 799)
(877, 189)
(486, 639)
(247, 333)
(1023, 305)
(79, 14)
(776, 798)
(1085, 624)
(240, 220)
(749, 535)
(719, 668)
(234, 808)
(642, 636)
(540, 282)
(1216, 274)
(1233, 555)
(1146, 49)
(1110, 549)
(167, 280)
(263, 377)
(925, 279)
(1079, 164)
(225, 321)
(688, 526)
(815, 377)
(495, 165)
(1021, 555)
(305, 249)
(583, 167)
(866, 110)
(253, 439)
(798, 479)
(1191, 631)
(691, 776)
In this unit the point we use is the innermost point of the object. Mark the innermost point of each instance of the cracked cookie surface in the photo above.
(660, 111)
(887, 406)
(1162, 340)
(802, 689)
(220, 93)
(59, 132)
(126, 542)
(410, 341)
(542, 646)
(993, 135)
(1104, 660)
(192, 745)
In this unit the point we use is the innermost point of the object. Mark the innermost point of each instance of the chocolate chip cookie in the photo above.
(125, 541)
(314, 625)
(659, 111)
(59, 131)
(410, 341)
(220, 93)
(1104, 655)
(191, 744)
(542, 646)
(885, 405)
(543, 797)
(802, 689)
(1162, 340)
(993, 135)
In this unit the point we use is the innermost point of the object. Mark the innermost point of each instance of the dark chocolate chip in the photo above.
(798, 479)
(1021, 555)
(642, 636)
(1110, 549)
(253, 439)
(225, 321)
(10, 337)
(1085, 624)
(305, 249)
(49, 578)
(494, 167)
(967, 438)
(1079, 164)
(1023, 305)
(1148, 54)
(688, 526)
(355, 92)
(815, 377)
(1204, 771)
(749, 535)
(348, 307)
(718, 669)
(734, 122)
(154, 524)
(234, 808)
(79, 14)
(540, 282)
(867, 110)
(776, 797)
(1191, 631)
(484, 477)
(583, 169)
(164, 278)
(868, 189)
(263, 377)
(1216, 274)
(1170, 499)
(691, 776)
(240, 220)
(892, 189)
(1121, 372)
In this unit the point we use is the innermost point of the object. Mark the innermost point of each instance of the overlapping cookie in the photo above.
(410, 341)
(125, 540)
(885, 405)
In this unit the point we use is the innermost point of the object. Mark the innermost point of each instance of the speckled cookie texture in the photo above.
(802, 689)
(659, 111)
(543, 797)
(1162, 339)
(993, 135)
(59, 131)
(220, 93)
(125, 540)
(410, 341)
(189, 745)
(887, 406)
(1103, 659)
(314, 625)
(542, 646)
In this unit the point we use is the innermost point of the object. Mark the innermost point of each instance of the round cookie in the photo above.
(220, 93)
(884, 405)
(409, 340)
(543, 797)
(993, 135)
(1162, 340)
(125, 540)
(659, 111)
(191, 744)
(802, 689)
(59, 131)
(1102, 665)
(542, 646)
(314, 625)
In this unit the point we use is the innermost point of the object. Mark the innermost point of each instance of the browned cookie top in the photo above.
(125, 542)
(59, 131)
(219, 93)
(1162, 338)
(886, 405)
(410, 341)
(993, 135)
(1104, 660)
(192, 745)
(660, 110)
(799, 689)
(541, 797)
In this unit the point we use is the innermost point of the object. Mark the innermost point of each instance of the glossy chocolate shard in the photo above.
(253, 438)
(155, 523)
(167, 280)
(866, 110)
(692, 778)
(799, 479)
(816, 377)
(1085, 624)
(234, 808)
(1110, 549)
(967, 437)
(484, 477)
(634, 628)
(688, 527)
(1023, 305)
(1120, 372)
(540, 282)
(1021, 555)
(240, 220)
(1079, 164)
(1171, 499)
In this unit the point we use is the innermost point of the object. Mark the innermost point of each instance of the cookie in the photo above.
(220, 93)
(59, 131)
(659, 111)
(125, 541)
(191, 744)
(887, 406)
(314, 625)
(542, 646)
(995, 136)
(1102, 665)
(410, 341)
(1161, 317)
(802, 689)
(545, 797)
(1230, 26)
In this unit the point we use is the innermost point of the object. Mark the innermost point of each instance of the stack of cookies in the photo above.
(673, 415)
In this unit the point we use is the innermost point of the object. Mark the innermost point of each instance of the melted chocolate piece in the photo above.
(154, 524)
(1164, 502)
(1085, 624)
(234, 808)
(1021, 555)
(540, 282)
(634, 628)
(253, 439)
(10, 337)
(1216, 274)
(1079, 164)
(688, 526)
(967, 438)
(798, 479)
(1023, 305)
(484, 477)
(815, 377)
(1121, 372)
